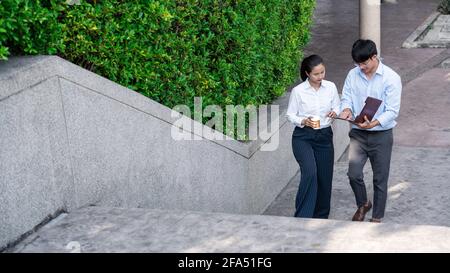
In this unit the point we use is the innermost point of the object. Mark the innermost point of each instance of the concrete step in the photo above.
(101, 229)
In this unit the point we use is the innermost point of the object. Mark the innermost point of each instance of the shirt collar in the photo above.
(380, 69)
(308, 85)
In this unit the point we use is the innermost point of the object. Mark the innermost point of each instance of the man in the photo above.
(371, 139)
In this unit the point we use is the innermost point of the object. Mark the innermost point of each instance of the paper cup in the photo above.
(316, 120)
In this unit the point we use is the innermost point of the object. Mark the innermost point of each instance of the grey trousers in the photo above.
(377, 146)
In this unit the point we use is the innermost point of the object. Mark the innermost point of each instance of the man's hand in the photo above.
(346, 114)
(367, 124)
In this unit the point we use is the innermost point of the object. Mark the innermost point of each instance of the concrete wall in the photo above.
(70, 138)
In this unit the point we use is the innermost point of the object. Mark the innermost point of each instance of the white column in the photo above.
(370, 21)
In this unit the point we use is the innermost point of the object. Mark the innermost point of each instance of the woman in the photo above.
(312, 105)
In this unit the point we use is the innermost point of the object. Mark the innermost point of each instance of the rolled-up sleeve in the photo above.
(336, 102)
(392, 101)
(293, 109)
(346, 99)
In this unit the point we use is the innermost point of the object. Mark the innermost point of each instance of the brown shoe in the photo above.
(375, 220)
(361, 212)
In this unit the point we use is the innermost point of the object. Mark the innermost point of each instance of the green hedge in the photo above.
(30, 27)
(444, 7)
(229, 51)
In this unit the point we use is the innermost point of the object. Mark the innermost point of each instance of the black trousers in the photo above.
(377, 147)
(314, 152)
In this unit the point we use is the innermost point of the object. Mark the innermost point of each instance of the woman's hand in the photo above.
(308, 122)
(332, 114)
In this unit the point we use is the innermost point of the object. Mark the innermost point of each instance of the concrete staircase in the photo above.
(102, 229)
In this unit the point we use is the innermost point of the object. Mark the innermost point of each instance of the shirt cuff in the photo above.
(337, 111)
(299, 123)
(382, 120)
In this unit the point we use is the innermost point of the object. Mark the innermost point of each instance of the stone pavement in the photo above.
(434, 32)
(418, 192)
(424, 120)
(336, 28)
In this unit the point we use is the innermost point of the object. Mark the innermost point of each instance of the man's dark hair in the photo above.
(362, 50)
(308, 64)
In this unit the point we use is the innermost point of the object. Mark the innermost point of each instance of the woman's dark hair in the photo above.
(362, 50)
(308, 64)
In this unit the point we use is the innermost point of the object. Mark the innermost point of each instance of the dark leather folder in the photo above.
(369, 110)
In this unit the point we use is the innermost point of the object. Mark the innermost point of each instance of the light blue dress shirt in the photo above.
(385, 85)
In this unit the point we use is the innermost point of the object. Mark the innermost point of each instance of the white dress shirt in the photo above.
(305, 101)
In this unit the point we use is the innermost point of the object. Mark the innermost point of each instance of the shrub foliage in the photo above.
(444, 7)
(227, 51)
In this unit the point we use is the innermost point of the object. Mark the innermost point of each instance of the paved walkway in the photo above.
(336, 28)
(419, 191)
